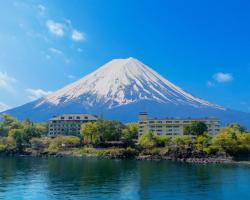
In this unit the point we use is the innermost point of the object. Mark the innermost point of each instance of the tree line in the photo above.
(19, 136)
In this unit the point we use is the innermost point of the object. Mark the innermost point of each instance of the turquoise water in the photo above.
(72, 178)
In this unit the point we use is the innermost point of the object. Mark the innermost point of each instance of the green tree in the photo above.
(7, 124)
(227, 140)
(17, 135)
(237, 127)
(30, 132)
(111, 130)
(182, 140)
(162, 140)
(202, 142)
(195, 128)
(90, 132)
(130, 132)
(101, 131)
(147, 140)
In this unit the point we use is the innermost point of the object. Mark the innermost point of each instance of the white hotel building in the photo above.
(173, 126)
(69, 124)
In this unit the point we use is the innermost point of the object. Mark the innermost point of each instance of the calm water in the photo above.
(69, 178)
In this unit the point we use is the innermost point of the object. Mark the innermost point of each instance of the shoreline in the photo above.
(191, 160)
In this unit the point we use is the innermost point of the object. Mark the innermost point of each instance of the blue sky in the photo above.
(201, 46)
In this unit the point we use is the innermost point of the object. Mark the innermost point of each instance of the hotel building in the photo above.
(69, 124)
(173, 126)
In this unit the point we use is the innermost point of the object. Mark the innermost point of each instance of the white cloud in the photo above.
(41, 9)
(6, 80)
(70, 76)
(222, 77)
(79, 50)
(77, 36)
(3, 107)
(67, 61)
(68, 22)
(55, 28)
(35, 94)
(210, 84)
(56, 51)
(47, 56)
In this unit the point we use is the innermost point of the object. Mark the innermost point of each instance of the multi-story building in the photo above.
(69, 124)
(173, 126)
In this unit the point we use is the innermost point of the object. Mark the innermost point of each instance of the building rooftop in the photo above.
(75, 117)
(178, 118)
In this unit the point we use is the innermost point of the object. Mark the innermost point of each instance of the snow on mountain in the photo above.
(120, 90)
(121, 82)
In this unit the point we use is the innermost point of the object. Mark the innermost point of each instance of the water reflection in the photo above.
(71, 178)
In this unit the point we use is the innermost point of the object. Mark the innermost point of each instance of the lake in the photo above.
(31, 178)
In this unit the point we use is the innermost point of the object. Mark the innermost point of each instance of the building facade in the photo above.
(69, 124)
(173, 126)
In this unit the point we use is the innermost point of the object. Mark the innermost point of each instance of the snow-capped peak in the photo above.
(121, 82)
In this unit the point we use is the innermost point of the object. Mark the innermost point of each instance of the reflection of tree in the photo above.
(72, 177)
(87, 175)
(12, 168)
(167, 179)
(7, 170)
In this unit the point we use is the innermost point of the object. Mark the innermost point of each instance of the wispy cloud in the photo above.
(55, 28)
(77, 36)
(221, 77)
(246, 105)
(55, 51)
(210, 84)
(35, 94)
(79, 50)
(6, 81)
(41, 9)
(70, 76)
(4, 106)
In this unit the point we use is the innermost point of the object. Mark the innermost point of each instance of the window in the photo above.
(86, 117)
(78, 117)
(62, 117)
(70, 118)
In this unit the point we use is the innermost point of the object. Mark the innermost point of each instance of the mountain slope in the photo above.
(121, 82)
(119, 90)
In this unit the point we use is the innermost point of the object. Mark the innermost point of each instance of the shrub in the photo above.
(147, 140)
(3, 148)
(162, 140)
(40, 142)
(70, 141)
(53, 148)
(130, 152)
(202, 142)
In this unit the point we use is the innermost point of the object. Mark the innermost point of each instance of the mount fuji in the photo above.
(120, 90)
